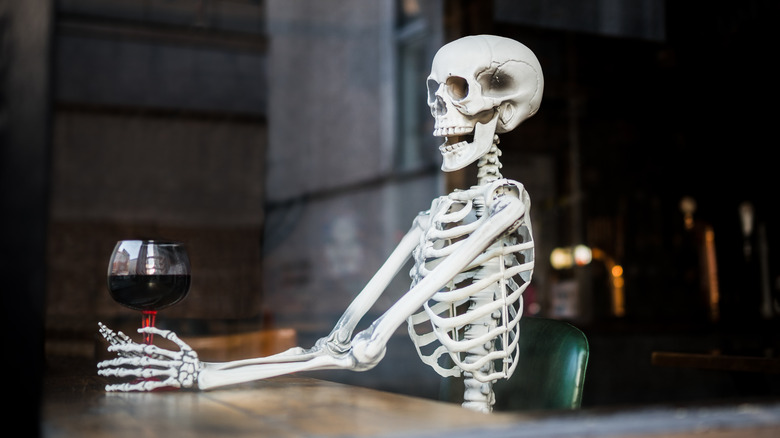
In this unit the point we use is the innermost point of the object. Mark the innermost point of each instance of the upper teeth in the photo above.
(452, 130)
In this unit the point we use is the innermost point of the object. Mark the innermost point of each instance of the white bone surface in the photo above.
(480, 85)
(473, 252)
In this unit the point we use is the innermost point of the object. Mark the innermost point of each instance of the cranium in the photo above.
(481, 85)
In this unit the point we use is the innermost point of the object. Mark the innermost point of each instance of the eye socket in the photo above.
(432, 87)
(495, 83)
(457, 87)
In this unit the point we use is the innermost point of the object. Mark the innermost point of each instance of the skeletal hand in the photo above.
(153, 367)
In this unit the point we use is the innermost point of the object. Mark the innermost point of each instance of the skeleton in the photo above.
(473, 252)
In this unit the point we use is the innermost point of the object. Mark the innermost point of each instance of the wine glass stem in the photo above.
(148, 321)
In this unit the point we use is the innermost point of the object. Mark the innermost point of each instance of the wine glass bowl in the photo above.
(148, 275)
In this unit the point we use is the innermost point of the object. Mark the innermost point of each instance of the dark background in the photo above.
(687, 113)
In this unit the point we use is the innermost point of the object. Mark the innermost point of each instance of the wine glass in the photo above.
(148, 275)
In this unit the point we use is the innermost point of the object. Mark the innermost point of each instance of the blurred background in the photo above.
(288, 144)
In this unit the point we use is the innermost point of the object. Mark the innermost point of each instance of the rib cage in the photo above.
(499, 276)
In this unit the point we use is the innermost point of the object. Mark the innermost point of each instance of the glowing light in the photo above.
(688, 207)
(712, 274)
(561, 258)
(582, 255)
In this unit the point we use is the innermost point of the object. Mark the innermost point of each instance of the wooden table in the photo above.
(75, 405)
(279, 407)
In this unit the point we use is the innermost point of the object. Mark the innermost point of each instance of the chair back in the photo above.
(550, 373)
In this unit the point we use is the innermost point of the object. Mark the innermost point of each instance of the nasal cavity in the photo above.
(439, 108)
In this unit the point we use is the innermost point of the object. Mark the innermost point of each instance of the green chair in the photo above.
(550, 373)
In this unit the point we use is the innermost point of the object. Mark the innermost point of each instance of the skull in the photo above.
(479, 86)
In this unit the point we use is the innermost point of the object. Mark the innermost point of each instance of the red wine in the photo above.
(148, 292)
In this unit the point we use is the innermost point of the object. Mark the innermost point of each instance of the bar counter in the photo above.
(75, 405)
